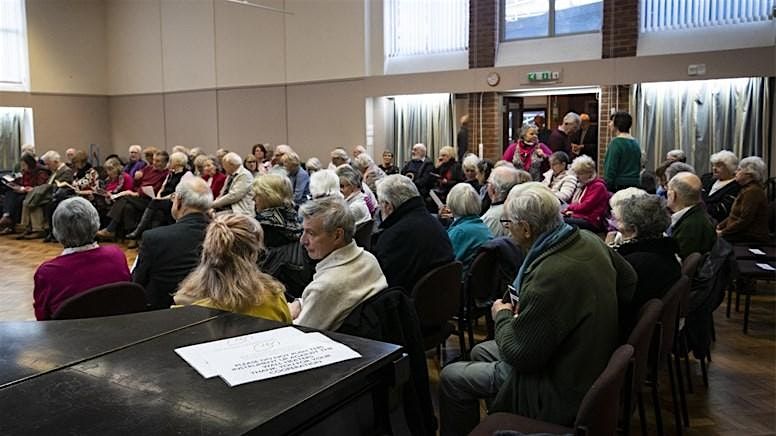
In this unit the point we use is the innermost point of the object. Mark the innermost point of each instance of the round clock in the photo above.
(493, 79)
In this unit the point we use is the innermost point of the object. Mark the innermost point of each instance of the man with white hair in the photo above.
(169, 253)
(500, 182)
(135, 162)
(551, 346)
(236, 195)
(560, 138)
(300, 180)
(419, 169)
(33, 218)
(338, 157)
(358, 150)
(676, 156)
(411, 241)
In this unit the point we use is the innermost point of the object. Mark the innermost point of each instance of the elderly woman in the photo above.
(370, 172)
(748, 219)
(116, 181)
(83, 264)
(161, 203)
(467, 231)
(228, 277)
(350, 186)
(721, 190)
(561, 181)
(312, 165)
(642, 219)
(32, 175)
(469, 166)
(208, 171)
(324, 183)
(274, 201)
(564, 303)
(589, 203)
(528, 153)
(448, 172)
(614, 237)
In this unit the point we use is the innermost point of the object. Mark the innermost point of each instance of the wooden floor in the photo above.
(741, 398)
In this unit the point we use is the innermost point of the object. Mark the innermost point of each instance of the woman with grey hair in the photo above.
(370, 172)
(642, 219)
(467, 231)
(469, 166)
(83, 264)
(721, 190)
(528, 153)
(312, 165)
(324, 183)
(350, 187)
(748, 219)
(559, 179)
(589, 203)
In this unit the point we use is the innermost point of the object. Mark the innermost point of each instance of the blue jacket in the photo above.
(467, 234)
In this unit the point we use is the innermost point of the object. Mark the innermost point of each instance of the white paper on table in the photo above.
(199, 355)
(247, 364)
(757, 251)
(148, 190)
(766, 267)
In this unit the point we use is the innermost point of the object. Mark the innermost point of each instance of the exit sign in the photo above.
(542, 76)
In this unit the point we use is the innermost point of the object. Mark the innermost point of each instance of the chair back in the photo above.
(482, 279)
(106, 300)
(363, 235)
(641, 337)
(669, 320)
(599, 409)
(437, 297)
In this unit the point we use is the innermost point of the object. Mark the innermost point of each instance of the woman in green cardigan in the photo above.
(622, 164)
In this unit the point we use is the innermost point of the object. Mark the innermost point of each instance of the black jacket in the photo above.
(167, 255)
(389, 316)
(718, 204)
(421, 174)
(411, 242)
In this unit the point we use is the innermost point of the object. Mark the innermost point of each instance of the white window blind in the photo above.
(418, 27)
(657, 15)
(13, 46)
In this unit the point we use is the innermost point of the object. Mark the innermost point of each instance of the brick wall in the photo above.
(620, 30)
(491, 125)
(615, 97)
(483, 33)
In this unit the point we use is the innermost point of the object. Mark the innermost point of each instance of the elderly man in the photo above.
(69, 155)
(585, 141)
(500, 182)
(345, 275)
(236, 194)
(277, 159)
(300, 180)
(338, 157)
(676, 155)
(551, 346)
(358, 150)
(135, 162)
(169, 253)
(411, 242)
(419, 169)
(33, 216)
(690, 226)
(560, 138)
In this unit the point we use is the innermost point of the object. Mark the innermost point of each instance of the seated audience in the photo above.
(721, 190)
(26, 149)
(338, 157)
(33, 206)
(350, 186)
(642, 220)
(83, 264)
(259, 152)
(690, 226)
(210, 174)
(614, 237)
(411, 241)
(252, 165)
(419, 169)
(312, 165)
(677, 167)
(484, 167)
(346, 275)
(33, 175)
(590, 201)
(325, 183)
(228, 278)
(469, 167)
(551, 347)
(528, 153)
(116, 180)
(370, 172)
(676, 155)
(277, 159)
(622, 162)
(561, 181)
(358, 151)
(300, 180)
(388, 166)
(447, 173)
(467, 231)
(585, 141)
(235, 196)
(86, 180)
(135, 162)
(501, 181)
(748, 219)
(127, 210)
(170, 253)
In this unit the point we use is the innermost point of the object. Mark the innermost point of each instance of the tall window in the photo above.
(13, 46)
(659, 15)
(524, 19)
(418, 27)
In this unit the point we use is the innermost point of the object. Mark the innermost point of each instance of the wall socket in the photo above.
(696, 70)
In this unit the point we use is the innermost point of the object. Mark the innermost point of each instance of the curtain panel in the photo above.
(11, 124)
(425, 118)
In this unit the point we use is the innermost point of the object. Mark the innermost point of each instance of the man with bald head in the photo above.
(169, 253)
(690, 226)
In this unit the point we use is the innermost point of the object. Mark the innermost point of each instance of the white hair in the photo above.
(233, 158)
(178, 158)
(421, 147)
(754, 166)
(676, 155)
(324, 183)
(136, 148)
(75, 222)
(362, 162)
(535, 204)
(619, 197)
(194, 193)
(572, 116)
(396, 189)
(470, 162)
(334, 213)
(463, 200)
(503, 179)
(51, 156)
(727, 158)
(28, 148)
(678, 167)
(583, 164)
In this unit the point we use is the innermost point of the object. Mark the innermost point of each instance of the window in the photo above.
(419, 27)
(657, 15)
(13, 46)
(542, 18)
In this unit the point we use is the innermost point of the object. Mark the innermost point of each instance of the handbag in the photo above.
(40, 195)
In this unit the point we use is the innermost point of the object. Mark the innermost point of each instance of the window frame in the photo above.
(24, 84)
(550, 25)
(389, 36)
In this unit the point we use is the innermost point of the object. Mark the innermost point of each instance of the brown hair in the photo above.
(227, 272)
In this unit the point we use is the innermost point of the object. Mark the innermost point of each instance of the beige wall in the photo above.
(134, 46)
(137, 119)
(250, 115)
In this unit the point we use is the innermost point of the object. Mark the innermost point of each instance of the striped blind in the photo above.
(417, 27)
(659, 15)
(13, 46)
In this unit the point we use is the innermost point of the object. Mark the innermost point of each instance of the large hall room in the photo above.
(388, 217)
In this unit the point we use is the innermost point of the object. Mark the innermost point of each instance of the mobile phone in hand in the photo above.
(511, 296)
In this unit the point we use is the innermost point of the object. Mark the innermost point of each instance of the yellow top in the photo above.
(273, 308)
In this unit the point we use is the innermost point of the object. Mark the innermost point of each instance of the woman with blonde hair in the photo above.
(228, 278)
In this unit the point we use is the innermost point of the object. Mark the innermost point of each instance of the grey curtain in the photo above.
(426, 118)
(11, 120)
(701, 118)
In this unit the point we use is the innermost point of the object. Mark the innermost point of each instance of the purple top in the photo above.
(559, 141)
(67, 275)
(132, 167)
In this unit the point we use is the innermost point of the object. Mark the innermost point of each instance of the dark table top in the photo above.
(750, 269)
(30, 348)
(148, 389)
(742, 252)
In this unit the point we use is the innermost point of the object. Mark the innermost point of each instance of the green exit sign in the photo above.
(543, 76)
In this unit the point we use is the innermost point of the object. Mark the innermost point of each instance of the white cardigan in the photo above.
(344, 279)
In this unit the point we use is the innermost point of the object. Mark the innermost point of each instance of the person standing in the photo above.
(622, 164)
(560, 138)
(462, 140)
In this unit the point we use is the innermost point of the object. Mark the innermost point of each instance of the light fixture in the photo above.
(269, 8)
